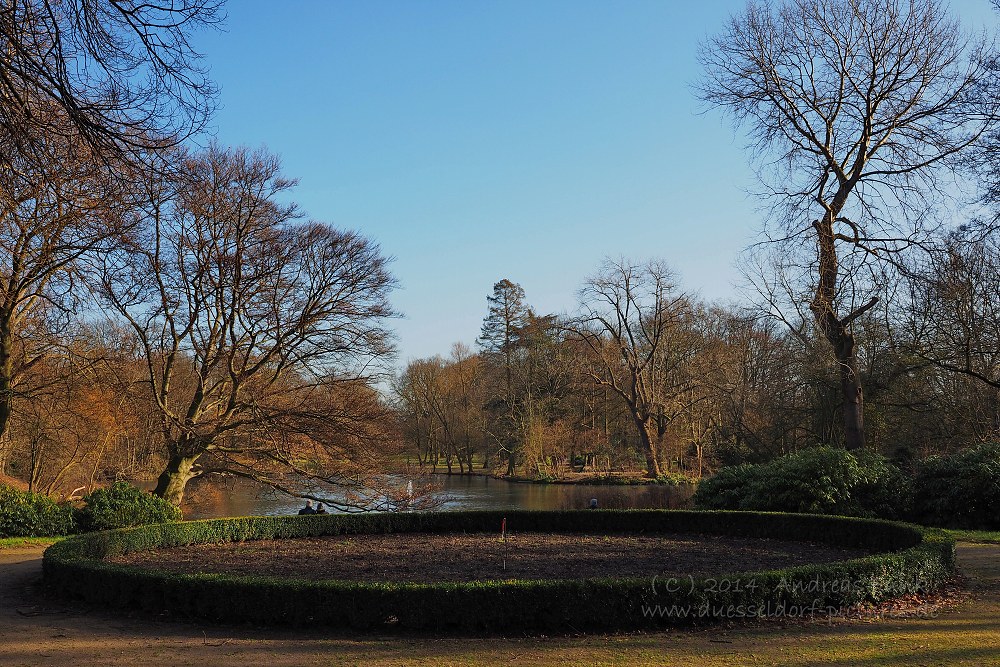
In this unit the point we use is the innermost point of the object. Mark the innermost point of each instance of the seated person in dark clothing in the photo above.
(308, 509)
(320, 509)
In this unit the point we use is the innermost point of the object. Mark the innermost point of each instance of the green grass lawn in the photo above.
(977, 536)
(15, 542)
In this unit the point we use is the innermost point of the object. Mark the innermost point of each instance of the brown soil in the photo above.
(464, 557)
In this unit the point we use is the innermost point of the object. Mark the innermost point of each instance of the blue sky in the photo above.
(476, 140)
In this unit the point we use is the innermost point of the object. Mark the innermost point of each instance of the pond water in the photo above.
(461, 492)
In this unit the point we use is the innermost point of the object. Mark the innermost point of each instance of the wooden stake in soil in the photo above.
(503, 538)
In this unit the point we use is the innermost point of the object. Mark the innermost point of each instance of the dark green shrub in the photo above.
(912, 561)
(26, 514)
(884, 490)
(727, 489)
(822, 480)
(961, 490)
(122, 505)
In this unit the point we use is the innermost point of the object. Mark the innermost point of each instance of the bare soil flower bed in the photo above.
(425, 557)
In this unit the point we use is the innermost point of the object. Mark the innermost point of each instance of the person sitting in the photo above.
(320, 508)
(308, 509)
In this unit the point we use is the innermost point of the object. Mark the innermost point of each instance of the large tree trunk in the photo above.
(173, 480)
(837, 329)
(853, 396)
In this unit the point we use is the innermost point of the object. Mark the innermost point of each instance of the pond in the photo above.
(461, 492)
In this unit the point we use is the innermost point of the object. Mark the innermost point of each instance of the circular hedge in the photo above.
(906, 559)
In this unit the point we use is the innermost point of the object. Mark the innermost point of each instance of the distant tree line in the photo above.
(645, 377)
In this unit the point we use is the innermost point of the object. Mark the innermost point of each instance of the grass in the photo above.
(961, 641)
(976, 536)
(15, 542)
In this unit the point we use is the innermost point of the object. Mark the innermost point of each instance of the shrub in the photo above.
(675, 479)
(122, 505)
(822, 480)
(26, 514)
(884, 490)
(727, 489)
(961, 490)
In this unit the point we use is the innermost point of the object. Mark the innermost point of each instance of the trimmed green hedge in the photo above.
(912, 560)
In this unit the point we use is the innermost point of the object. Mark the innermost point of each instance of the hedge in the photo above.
(910, 560)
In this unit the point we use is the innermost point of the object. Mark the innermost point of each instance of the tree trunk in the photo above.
(172, 481)
(5, 447)
(647, 438)
(836, 330)
(6, 378)
(853, 396)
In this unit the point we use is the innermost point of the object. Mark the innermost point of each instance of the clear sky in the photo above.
(476, 140)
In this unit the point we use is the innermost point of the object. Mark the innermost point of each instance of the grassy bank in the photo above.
(18, 542)
(976, 536)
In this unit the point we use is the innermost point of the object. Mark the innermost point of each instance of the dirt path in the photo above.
(38, 631)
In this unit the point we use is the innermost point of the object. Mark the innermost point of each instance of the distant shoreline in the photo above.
(592, 479)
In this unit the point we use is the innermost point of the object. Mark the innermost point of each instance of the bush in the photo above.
(961, 490)
(122, 505)
(884, 490)
(727, 489)
(822, 480)
(26, 514)
(917, 561)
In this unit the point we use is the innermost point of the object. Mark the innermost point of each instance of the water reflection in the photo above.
(490, 494)
(211, 499)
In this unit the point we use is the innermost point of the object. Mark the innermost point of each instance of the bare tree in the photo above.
(953, 319)
(632, 320)
(853, 107)
(442, 403)
(54, 210)
(122, 73)
(253, 327)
